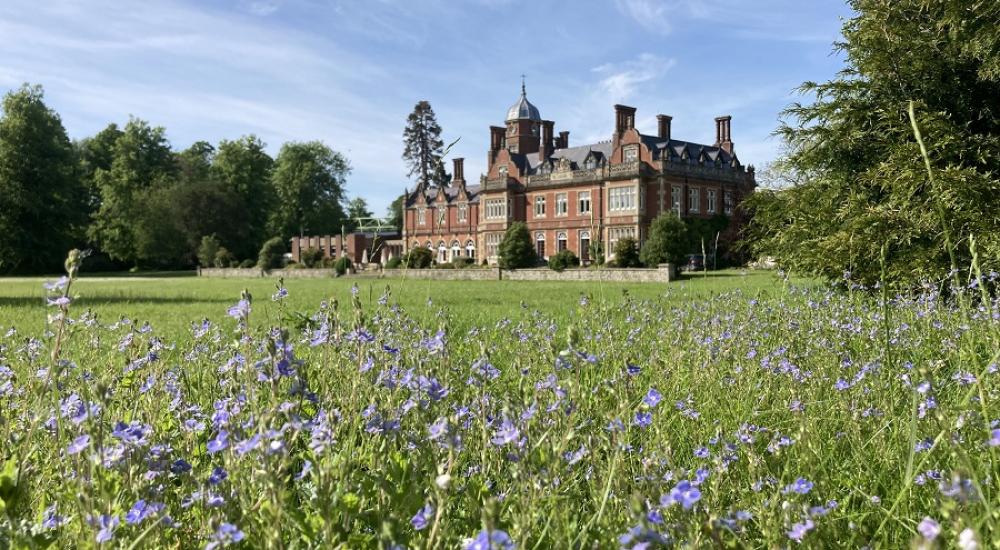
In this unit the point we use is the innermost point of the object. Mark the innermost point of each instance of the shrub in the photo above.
(294, 265)
(419, 258)
(627, 253)
(461, 262)
(562, 260)
(445, 266)
(311, 257)
(516, 249)
(342, 265)
(394, 262)
(272, 254)
(668, 241)
(597, 252)
(207, 251)
(247, 263)
(223, 258)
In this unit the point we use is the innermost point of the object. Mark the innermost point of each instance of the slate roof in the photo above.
(523, 109)
(450, 193)
(603, 149)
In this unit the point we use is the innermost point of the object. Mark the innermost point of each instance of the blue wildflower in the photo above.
(652, 398)
(78, 444)
(142, 510)
(226, 534)
(491, 540)
(423, 517)
(801, 486)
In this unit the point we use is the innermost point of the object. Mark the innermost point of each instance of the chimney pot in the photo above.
(458, 170)
(564, 140)
(663, 126)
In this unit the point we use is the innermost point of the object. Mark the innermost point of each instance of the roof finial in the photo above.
(522, 85)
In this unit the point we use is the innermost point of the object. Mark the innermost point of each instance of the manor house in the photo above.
(572, 196)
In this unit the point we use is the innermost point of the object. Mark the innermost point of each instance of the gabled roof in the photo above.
(451, 194)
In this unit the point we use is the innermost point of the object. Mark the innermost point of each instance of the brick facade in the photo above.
(569, 196)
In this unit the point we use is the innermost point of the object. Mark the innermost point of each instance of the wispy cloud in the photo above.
(619, 81)
(659, 16)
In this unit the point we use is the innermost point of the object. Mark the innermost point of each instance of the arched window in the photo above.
(540, 244)
(585, 246)
(442, 252)
(456, 250)
(470, 250)
(561, 242)
(429, 245)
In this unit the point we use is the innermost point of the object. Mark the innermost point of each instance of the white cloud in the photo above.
(263, 8)
(619, 81)
(658, 16)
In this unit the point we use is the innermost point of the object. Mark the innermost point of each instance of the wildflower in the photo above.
(78, 444)
(702, 452)
(226, 534)
(994, 440)
(799, 530)
(142, 510)
(643, 419)
(219, 443)
(423, 516)
(107, 525)
(51, 519)
(60, 301)
(652, 398)
(641, 538)
(281, 294)
(58, 284)
(967, 539)
(929, 528)
(506, 433)
(491, 540)
(572, 457)
(217, 476)
(801, 486)
(240, 311)
(684, 493)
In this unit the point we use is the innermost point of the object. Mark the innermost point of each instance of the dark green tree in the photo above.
(423, 148)
(668, 241)
(861, 185)
(141, 162)
(395, 212)
(627, 253)
(516, 249)
(195, 162)
(357, 208)
(308, 181)
(42, 201)
(207, 250)
(93, 154)
(243, 167)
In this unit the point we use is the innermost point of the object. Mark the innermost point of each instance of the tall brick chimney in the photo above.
(624, 120)
(663, 126)
(545, 146)
(723, 135)
(458, 171)
(496, 142)
(563, 140)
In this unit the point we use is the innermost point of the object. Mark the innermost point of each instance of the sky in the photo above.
(348, 72)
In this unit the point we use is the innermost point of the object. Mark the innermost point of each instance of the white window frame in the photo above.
(421, 216)
(539, 206)
(630, 153)
(711, 201)
(583, 199)
(463, 212)
(562, 241)
(675, 199)
(496, 209)
(622, 198)
(727, 202)
(562, 204)
(470, 250)
(694, 200)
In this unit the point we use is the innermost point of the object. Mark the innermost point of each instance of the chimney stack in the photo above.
(624, 120)
(563, 140)
(663, 126)
(545, 145)
(496, 142)
(723, 135)
(458, 170)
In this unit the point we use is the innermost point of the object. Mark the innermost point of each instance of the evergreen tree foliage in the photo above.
(42, 203)
(419, 257)
(668, 241)
(627, 253)
(207, 251)
(516, 249)
(272, 254)
(860, 187)
(423, 148)
(243, 167)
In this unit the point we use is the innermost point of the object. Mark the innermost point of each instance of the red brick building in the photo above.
(571, 196)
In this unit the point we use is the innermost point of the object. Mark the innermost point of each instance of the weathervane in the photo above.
(522, 84)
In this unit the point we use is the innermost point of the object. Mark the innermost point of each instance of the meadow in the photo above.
(744, 410)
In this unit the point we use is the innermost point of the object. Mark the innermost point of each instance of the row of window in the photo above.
(455, 250)
(619, 199)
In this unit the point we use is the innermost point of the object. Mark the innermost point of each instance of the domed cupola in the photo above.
(523, 109)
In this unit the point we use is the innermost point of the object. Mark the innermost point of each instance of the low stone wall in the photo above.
(468, 274)
(618, 275)
(230, 272)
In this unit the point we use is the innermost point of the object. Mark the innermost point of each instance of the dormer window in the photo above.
(632, 153)
(502, 171)
(590, 163)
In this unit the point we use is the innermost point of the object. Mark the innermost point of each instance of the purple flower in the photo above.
(60, 301)
(217, 476)
(57, 284)
(801, 486)
(799, 530)
(240, 311)
(51, 519)
(507, 433)
(423, 517)
(632, 370)
(220, 442)
(180, 466)
(994, 440)
(929, 528)
(684, 493)
(226, 534)
(643, 419)
(491, 540)
(78, 444)
(134, 433)
(107, 525)
(281, 294)
(245, 446)
(142, 510)
(652, 398)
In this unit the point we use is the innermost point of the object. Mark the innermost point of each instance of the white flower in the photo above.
(443, 481)
(967, 540)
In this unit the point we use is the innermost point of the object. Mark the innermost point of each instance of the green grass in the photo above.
(736, 410)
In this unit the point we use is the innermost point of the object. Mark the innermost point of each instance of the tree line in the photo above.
(129, 196)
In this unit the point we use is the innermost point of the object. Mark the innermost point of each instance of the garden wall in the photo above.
(662, 274)
(468, 274)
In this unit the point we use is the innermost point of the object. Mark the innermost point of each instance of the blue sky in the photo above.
(349, 72)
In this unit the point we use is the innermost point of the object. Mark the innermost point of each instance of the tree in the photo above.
(423, 148)
(309, 186)
(93, 154)
(863, 191)
(627, 253)
(516, 249)
(42, 202)
(563, 259)
(668, 241)
(141, 161)
(357, 208)
(208, 250)
(244, 168)
(419, 257)
(395, 212)
(195, 162)
(272, 254)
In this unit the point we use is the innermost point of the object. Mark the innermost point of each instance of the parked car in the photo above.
(695, 262)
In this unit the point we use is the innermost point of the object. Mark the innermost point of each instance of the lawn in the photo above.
(737, 410)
